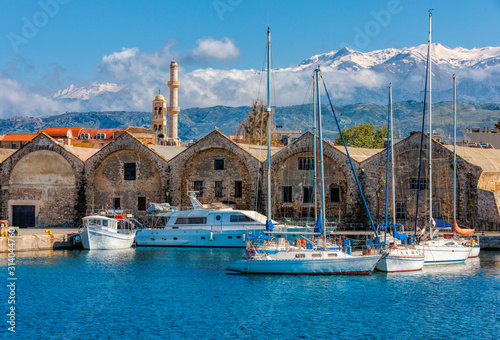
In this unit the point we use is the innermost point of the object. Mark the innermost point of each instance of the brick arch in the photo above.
(214, 141)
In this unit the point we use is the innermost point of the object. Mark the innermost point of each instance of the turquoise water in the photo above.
(168, 293)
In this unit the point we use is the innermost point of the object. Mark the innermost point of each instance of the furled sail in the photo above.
(461, 231)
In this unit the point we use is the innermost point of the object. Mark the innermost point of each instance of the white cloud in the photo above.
(130, 63)
(210, 48)
(19, 100)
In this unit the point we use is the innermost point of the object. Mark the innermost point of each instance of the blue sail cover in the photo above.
(401, 237)
(269, 225)
(317, 226)
(442, 224)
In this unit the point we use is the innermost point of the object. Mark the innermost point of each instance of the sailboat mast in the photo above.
(268, 110)
(430, 123)
(393, 189)
(315, 179)
(387, 172)
(320, 144)
(454, 148)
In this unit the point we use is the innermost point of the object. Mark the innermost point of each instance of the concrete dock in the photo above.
(32, 239)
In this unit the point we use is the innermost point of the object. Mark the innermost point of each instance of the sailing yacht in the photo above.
(438, 250)
(296, 260)
(399, 257)
(456, 229)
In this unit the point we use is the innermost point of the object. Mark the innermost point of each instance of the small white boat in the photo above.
(443, 251)
(102, 232)
(401, 259)
(302, 261)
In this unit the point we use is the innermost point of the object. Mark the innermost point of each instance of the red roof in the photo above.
(93, 132)
(18, 137)
(62, 132)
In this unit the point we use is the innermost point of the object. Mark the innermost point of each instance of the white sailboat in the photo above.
(438, 250)
(297, 260)
(460, 231)
(103, 232)
(399, 257)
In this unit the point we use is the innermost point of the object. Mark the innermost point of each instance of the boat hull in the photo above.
(199, 237)
(442, 254)
(474, 251)
(355, 265)
(399, 263)
(94, 239)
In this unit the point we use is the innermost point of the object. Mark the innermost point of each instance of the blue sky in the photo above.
(49, 44)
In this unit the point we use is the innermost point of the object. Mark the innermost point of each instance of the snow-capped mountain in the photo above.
(352, 76)
(86, 91)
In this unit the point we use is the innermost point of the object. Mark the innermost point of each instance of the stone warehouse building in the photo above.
(48, 184)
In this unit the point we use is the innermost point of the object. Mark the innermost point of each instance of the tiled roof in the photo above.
(93, 132)
(137, 129)
(18, 137)
(61, 132)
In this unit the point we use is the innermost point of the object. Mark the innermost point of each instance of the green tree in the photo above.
(363, 136)
(254, 128)
(497, 125)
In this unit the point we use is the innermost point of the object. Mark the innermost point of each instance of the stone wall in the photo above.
(45, 175)
(407, 155)
(197, 164)
(105, 176)
(285, 172)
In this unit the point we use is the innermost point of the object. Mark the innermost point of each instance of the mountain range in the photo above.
(352, 77)
(195, 123)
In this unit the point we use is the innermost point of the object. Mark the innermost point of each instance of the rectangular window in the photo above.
(116, 203)
(218, 189)
(198, 187)
(129, 171)
(436, 210)
(423, 183)
(238, 189)
(306, 163)
(334, 194)
(307, 195)
(191, 220)
(218, 164)
(240, 218)
(400, 211)
(287, 194)
(141, 203)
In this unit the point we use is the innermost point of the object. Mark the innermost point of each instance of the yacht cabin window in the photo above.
(241, 218)
(191, 220)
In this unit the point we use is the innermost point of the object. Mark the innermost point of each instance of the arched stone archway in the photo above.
(221, 175)
(39, 185)
(125, 179)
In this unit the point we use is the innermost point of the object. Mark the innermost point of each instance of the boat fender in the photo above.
(211, 236)
(473, 243)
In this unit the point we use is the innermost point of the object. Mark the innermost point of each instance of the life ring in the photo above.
(250, 252)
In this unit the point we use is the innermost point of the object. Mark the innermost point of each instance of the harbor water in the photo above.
(172, 293)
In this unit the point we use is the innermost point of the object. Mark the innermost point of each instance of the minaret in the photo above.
(173, 109)
(159, 121)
